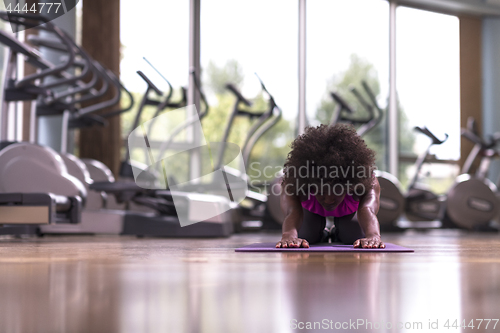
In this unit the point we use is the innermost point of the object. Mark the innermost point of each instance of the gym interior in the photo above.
(147, 149)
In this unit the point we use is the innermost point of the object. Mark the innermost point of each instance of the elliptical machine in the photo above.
(63, 173)
(257, 210)
(27, 207)
(253, 213)
(168, 204)
(419, 204)
(392, 201)
(343, 112)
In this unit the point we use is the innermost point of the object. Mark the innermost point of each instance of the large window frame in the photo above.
(394, 156)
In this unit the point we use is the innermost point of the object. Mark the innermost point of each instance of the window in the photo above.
(163, 42)
(347, 42)
(428, 86)
(239, 39)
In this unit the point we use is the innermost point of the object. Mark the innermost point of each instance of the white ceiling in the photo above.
(457, 7)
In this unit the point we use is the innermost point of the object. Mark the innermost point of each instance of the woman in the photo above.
(329, 172)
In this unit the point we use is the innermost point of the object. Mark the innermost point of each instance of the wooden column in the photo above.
(470, 77)
(101, 39)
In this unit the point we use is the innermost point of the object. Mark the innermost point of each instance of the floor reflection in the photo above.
(58, 297)
(117, 284)
(334, 288)
(218, 297)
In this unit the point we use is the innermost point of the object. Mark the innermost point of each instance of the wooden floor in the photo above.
(124, 284)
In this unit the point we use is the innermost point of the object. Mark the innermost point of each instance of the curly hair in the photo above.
(328, 155)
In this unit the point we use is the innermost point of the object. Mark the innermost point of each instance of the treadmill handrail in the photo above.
(33, 56)
(105, 104)
(130, 96)
(67, 45)
(17, 18)
(86, 63)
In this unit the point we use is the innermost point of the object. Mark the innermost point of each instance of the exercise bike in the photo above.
(472, 200)
(421, 204)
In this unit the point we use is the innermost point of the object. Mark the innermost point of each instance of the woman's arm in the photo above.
(292, 209)
(367, 218)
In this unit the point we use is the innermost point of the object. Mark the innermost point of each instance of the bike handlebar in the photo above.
(435, 141)
(363, 102)
(342, 102)
(150, 84)
(240, 97)
(474, 138)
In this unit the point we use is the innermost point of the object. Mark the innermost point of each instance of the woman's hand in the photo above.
(292, 209)
(367, 218)
(287, 241)
(373, 242)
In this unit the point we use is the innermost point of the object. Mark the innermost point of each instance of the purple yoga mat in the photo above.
(271, 247)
